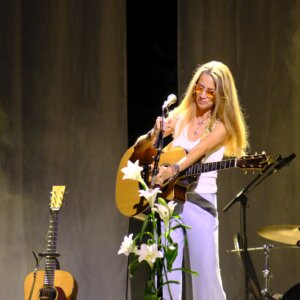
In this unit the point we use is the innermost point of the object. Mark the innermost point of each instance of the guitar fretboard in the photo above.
(199, 168)
(51, 250)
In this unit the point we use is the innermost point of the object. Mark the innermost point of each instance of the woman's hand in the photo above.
(167, 126)
(165, 172)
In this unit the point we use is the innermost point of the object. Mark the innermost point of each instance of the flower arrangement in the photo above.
(159, 251)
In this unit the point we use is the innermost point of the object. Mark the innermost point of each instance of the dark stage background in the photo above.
(79, 83)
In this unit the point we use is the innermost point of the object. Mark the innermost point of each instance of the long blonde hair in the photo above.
(227, 108)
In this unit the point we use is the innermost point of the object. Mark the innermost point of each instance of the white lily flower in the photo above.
(165, 211)
(150, 195)
(133, 171)
(171, 206)
(149, 253)
(127, 246)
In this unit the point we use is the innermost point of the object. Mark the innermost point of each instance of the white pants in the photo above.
(203, 248)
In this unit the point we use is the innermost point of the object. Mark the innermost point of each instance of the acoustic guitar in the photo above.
(51, 284)
(130, 204)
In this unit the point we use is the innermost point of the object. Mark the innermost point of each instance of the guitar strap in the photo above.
(193, 197)
(179, 206)
(196, 199)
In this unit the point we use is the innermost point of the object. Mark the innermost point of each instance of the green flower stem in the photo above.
(163, 264)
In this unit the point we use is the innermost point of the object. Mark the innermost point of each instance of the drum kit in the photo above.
(289, 235)
(285, 234)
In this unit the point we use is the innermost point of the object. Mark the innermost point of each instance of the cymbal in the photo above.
(286, 234)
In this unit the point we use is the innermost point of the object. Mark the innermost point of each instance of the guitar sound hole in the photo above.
(48, 293)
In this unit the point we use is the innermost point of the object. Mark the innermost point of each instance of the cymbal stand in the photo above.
(267, 273)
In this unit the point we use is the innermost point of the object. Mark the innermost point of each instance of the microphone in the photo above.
(170, 100)
(283, 162)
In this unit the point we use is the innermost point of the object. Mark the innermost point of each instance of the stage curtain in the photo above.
(260, 42)
(63, 122)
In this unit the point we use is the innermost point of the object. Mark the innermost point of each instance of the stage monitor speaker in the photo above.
(292, 293)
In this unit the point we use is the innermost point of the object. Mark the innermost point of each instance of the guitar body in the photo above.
(65, 287)
(128, 200)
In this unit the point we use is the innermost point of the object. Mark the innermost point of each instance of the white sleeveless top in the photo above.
(207, 181)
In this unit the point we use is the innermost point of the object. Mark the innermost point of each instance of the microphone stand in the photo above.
(155, 170)
(242, 198)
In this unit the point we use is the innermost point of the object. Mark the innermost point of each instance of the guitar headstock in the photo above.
(254, 162)
(57, 196)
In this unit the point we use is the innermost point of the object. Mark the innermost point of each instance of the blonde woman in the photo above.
(208, 124)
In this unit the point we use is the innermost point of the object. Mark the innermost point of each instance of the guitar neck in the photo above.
(51, 253)
(199, 168)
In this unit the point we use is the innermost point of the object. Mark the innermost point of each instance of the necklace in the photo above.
(199, 122)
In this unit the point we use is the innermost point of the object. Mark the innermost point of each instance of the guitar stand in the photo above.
(50, 254)
(34, 275)
(54, 255)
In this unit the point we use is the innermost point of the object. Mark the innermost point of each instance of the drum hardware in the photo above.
(266, 272)
(286, 234)
(262, 248)
(267, 275)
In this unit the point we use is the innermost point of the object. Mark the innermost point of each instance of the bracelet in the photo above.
(175, 169)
